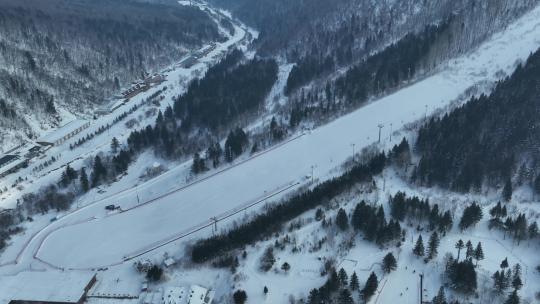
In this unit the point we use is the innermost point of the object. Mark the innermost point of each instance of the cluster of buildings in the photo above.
(19, 157)
(144, 85)
(137, 87)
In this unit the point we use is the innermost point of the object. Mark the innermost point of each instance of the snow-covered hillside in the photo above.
(162, 216)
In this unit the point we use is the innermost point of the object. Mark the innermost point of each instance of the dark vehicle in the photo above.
(112, 207)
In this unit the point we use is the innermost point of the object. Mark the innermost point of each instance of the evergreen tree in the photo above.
(469, 253)
(114, 145)
(389, 263)
(239, 297)
(154, 273)
(433, 245)
(99, 172)
(370, 287)
(419, 247)
(354, 284)
(265, 290)
(471, 216)
(500, 282)
(440, 298)
(342, 221)
(507, 190)
(504, 263)
(478, 253)
(286, 267)
(345, 297)
(84, 180)
(343, 278)
(459, 245)
(517, 283)
(513, 298)
(462, 276)
(533, 230)
(267, 260)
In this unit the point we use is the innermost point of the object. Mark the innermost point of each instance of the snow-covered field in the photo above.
(90, 238)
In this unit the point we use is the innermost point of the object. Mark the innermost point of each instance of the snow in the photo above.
(45, 286)
(166, 211)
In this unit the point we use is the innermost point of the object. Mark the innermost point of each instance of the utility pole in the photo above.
(214, 227)
(380, 128)
(390, 131)
(353, 158)
(421, 288)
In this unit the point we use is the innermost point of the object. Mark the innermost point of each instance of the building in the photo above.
(11, 163)
(64, 133)
(188, 62)
(46, 287)
(169, 262)
(174, 295)
(200, 295)
(154, 79)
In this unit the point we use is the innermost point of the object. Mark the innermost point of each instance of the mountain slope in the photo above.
(71, 55)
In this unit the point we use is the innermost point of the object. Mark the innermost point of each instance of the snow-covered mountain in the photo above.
(59, 57)
(308, 152)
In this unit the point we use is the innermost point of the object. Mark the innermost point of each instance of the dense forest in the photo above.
(379, 73)
(227, 91)
(491, 140)
(238, 88)
(383, 70)
(75, 54)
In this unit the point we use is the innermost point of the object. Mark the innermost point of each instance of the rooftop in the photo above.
(49, 286)
(6, 159)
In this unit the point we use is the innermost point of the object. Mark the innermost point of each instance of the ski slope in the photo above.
(107, 240)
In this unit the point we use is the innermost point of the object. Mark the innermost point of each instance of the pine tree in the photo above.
(533, 230)
(504, 263)
(371, 286)
(354, 284)
(343, 278)
(440, 298)
(84, 180)
(239, 297)
(478, 253)
(419, 247)
(265, 290)
(469, 253)
(433, 245)
(268, 259)
(345, 297)
(459, 245)
(507, 190)
(513, 298)
(114, 145)
(342, 221)
(286, 267)
(517, 283)
(389, 263)
(499, 281)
